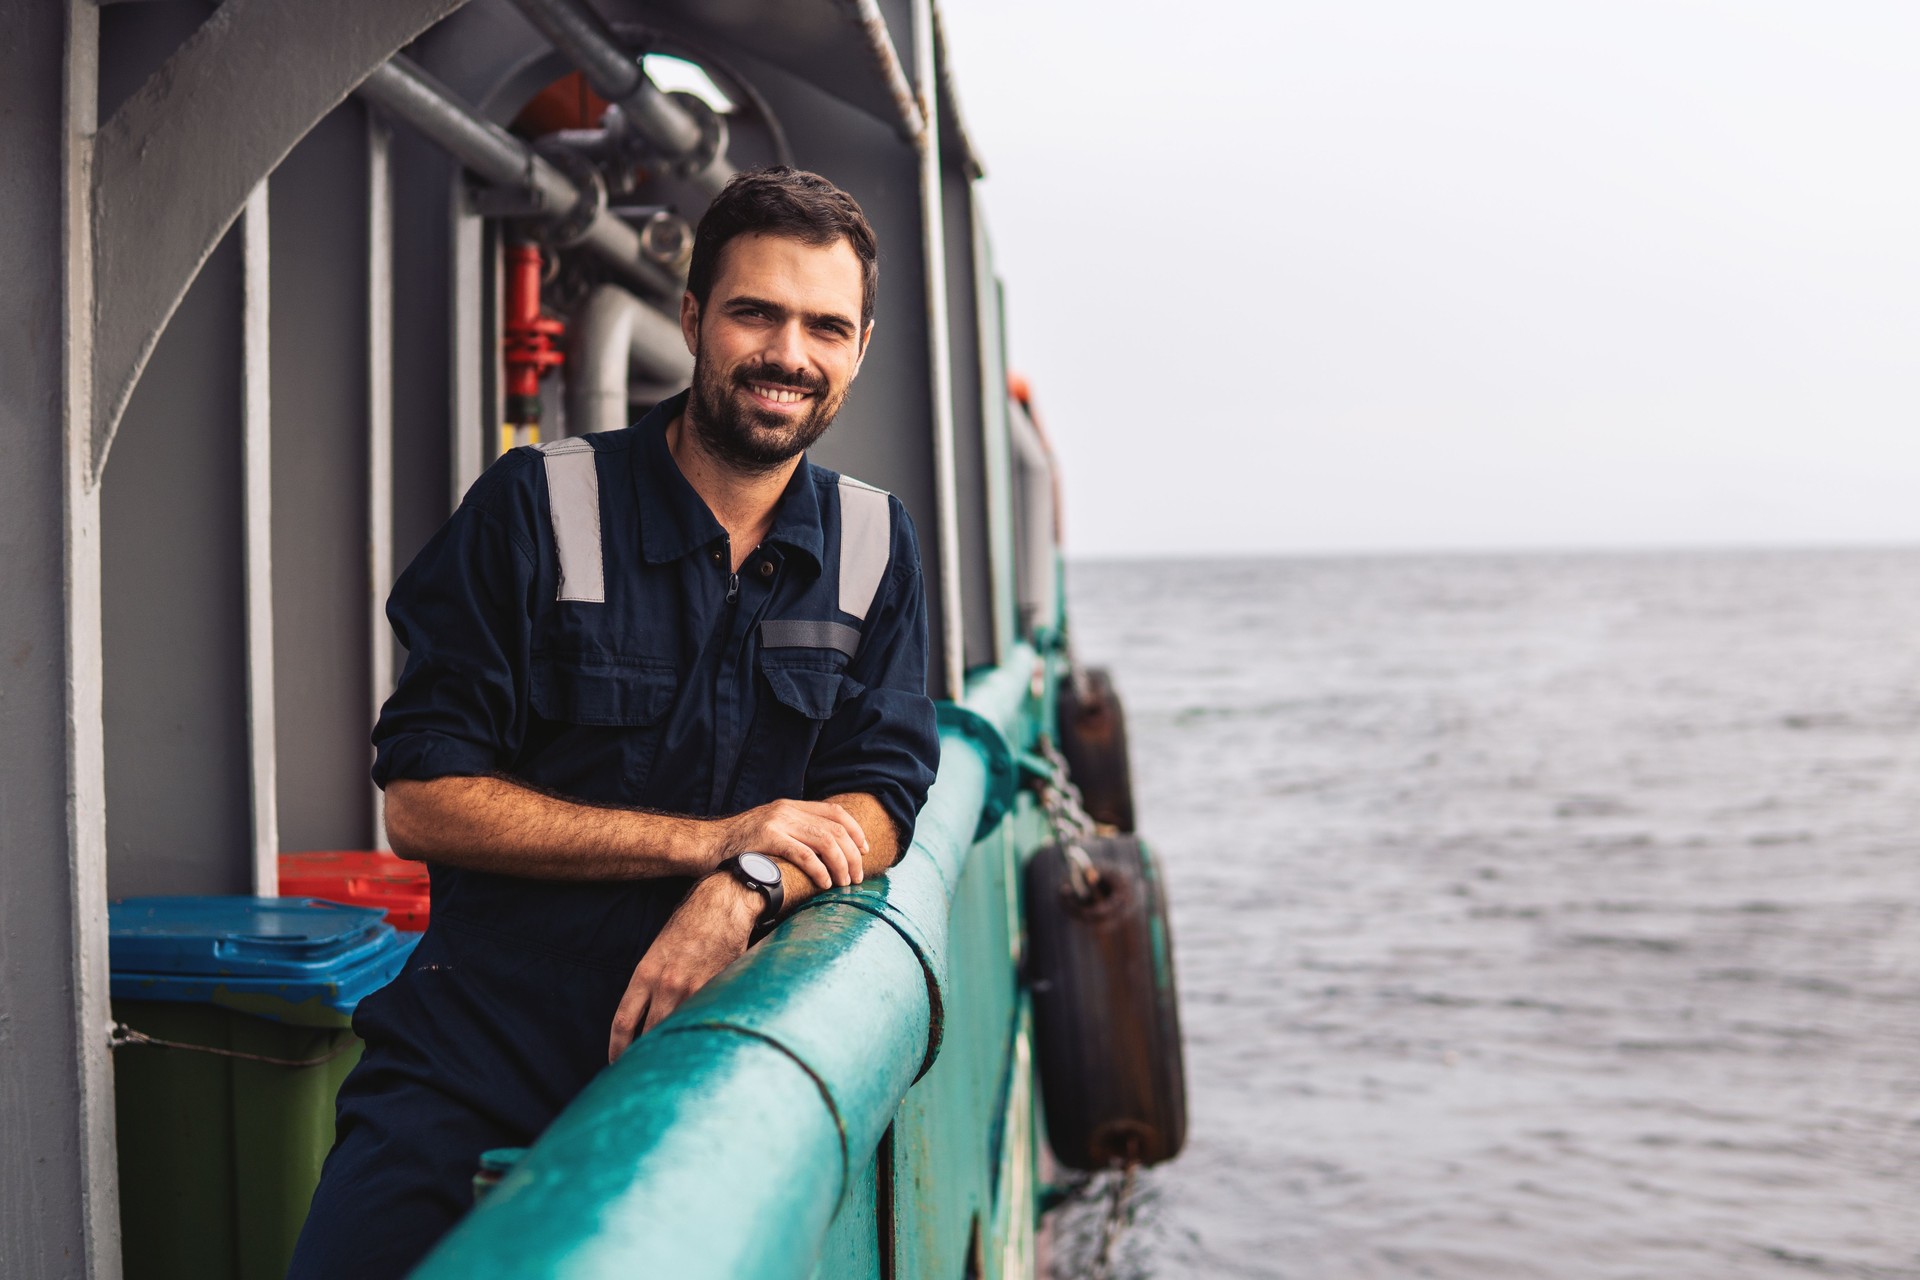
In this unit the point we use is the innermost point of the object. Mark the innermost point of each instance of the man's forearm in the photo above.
(493, 824)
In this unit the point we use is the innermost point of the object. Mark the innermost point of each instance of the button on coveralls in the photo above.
(576, 625)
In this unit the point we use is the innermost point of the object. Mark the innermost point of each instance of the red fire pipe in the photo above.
(528, 340)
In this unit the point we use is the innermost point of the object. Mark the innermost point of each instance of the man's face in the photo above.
(775, 348)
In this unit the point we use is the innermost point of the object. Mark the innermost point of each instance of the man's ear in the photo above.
(690, 322)
(866, 336)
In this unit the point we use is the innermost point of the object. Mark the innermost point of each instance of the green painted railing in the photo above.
(722, 1144)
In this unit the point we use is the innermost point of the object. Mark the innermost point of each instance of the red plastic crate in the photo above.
(366, 878)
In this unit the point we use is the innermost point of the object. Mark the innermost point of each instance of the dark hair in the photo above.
(783, 201)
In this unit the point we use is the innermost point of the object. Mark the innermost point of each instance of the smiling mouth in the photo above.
(773, 393)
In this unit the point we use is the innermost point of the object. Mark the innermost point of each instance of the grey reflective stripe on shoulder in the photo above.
(866, 544)
(573, 504)
(799, 633)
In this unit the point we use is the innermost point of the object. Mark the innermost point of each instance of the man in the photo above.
(632, 658)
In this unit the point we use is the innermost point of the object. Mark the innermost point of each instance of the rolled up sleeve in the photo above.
(463, 611)
(884, 740)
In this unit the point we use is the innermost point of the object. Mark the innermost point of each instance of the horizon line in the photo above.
(1470, 550)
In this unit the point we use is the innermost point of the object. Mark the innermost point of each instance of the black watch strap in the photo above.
(761, 874)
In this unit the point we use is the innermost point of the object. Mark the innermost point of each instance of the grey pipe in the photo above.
(616, 335)
(404, 90)
(573, 28)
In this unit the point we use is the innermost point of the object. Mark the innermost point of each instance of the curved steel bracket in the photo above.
(171, 170)
(1003, 775)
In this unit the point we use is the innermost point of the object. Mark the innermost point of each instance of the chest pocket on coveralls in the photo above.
(805, 681)
(802, 689)
(611, 712)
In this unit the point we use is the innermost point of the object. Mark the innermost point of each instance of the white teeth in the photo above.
(781, 395)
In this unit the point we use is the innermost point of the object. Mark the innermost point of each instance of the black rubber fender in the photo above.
(1093, 738)
(1106, 1017)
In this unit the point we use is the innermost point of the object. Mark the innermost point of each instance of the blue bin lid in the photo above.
(235, 936)
(300, 960)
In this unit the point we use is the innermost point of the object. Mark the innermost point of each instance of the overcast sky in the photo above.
(1378, 275)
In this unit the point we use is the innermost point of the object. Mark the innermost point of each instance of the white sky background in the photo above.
(1379, 275)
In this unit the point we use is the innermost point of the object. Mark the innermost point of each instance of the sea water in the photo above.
(1536, 916)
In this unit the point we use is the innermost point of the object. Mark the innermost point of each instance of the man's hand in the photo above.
(708, 932)
(710, 929)
(817, 836)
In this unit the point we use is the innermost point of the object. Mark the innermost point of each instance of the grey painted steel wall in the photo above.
(176, 768)
(176, 712)
(969, 427)
(320, 594)
(173, 620)
(422, 374)
(174, 639)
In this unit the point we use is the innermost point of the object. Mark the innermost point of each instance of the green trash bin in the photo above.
(233, 1037)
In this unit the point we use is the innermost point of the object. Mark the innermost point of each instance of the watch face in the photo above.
(760, 867)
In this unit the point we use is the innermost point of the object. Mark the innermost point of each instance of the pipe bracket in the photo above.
(713, 135)
(506, 202)
(1003, 776)
(571, 227)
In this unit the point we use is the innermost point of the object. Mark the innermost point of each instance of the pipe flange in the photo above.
(568, 229)
(713, 135)
(666, 239)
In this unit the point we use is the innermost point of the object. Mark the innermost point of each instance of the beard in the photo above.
(741, 434)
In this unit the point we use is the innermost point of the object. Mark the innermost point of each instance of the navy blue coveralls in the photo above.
(576, 625)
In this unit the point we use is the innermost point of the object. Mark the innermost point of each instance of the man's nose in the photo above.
(786, 347)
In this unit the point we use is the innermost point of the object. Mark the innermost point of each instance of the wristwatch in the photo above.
(761, 874)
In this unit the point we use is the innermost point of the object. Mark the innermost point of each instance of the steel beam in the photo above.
(469, 363)
(912, 115)
(939, 352)
(994, 422)
(379, 432)
(171, 173)
(256, 418)
(59, 1213)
